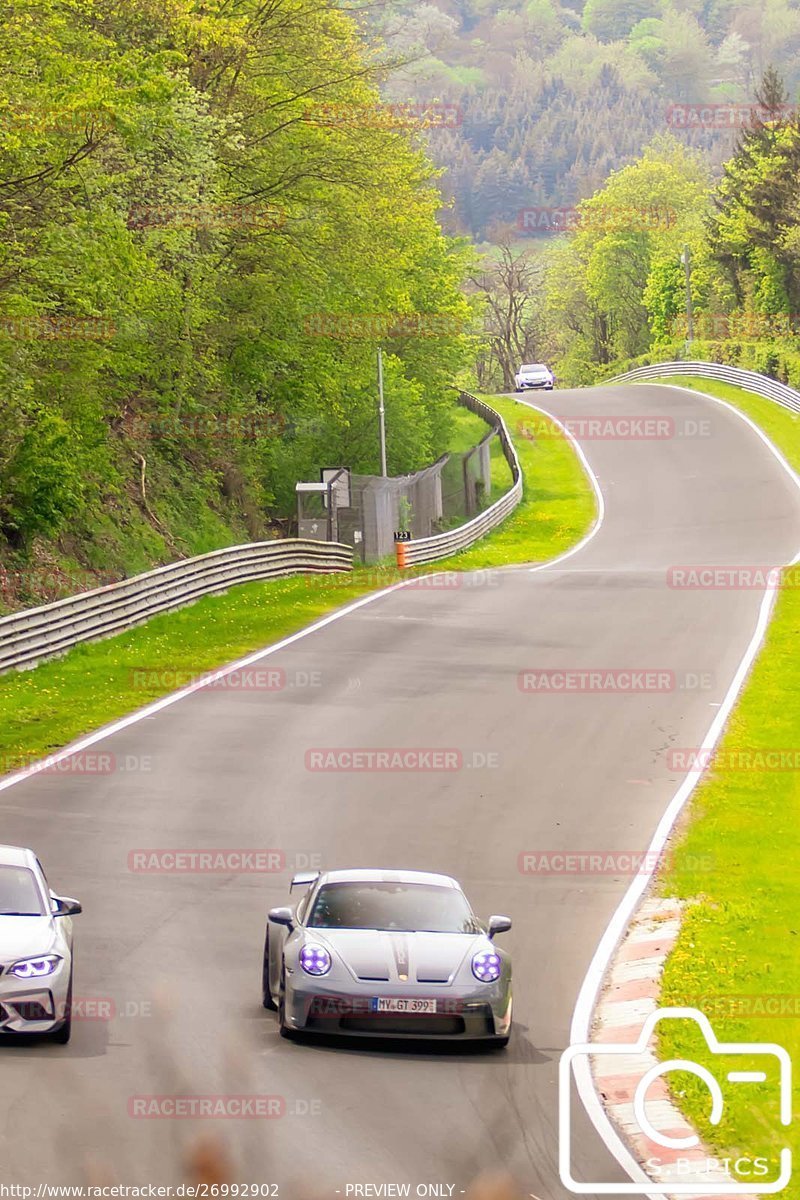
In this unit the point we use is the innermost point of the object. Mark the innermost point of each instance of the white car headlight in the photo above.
(35, 968)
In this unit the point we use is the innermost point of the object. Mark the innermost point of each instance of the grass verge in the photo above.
(738, 865)
(47, 708)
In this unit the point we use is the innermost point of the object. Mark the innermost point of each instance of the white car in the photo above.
(381, 953)
(35, 950)
(534, 375)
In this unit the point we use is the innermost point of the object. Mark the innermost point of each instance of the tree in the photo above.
(508, 286)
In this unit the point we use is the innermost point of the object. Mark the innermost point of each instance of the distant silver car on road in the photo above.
(35, 950)
(534, 375)
(396, 954)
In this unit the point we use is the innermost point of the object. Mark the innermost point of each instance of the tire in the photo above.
(266, 994)
(500, 1043)
(283, 1028)
(62, 1035)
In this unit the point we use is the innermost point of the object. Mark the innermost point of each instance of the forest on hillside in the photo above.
(612, 292)
(197, 263)
(554, 96)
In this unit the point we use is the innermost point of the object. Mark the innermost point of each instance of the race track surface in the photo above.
(178, 956)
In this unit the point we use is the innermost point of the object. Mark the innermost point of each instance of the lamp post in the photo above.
(686, 259)
(382, 411)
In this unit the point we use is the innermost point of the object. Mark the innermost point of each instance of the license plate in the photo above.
(399, 1004)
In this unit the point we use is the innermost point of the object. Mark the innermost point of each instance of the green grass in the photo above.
(738, 863)
(467, 430)
(44, 709)
(558, 507)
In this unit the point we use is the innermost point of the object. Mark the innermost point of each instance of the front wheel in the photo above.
(283, 1028)
(266, 992)
(62, 1035)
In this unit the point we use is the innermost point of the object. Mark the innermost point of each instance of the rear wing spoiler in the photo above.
(304, 879)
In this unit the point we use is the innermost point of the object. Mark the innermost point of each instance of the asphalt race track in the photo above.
(178, 956)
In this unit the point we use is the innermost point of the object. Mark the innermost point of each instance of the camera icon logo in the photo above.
(576, 1062)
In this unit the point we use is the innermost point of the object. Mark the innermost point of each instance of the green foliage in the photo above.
(611, 20)
(42, 485)
(187, 195)
(617, 273)
(555, 96)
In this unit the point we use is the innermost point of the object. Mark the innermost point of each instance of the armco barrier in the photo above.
(762, 385)
(27, 638)
(430, 549)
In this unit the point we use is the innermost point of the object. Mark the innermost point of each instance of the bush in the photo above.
(42, 484)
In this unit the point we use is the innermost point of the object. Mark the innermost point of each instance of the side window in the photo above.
(47, 896)
(303, 906)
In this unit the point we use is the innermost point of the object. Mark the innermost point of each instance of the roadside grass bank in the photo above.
(737, 864)
(45, 709)
(557, 509)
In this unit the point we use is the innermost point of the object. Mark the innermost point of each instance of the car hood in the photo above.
(534, 374)
(25, 937)
(388, 956)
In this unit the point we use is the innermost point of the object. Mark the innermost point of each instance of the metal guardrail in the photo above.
(441, 545)
(762, 385)
(27, 638)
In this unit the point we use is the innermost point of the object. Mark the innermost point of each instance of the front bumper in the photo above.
(467, 1014)
(37, 1006)
(545, 385)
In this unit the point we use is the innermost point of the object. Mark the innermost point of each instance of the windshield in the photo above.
(19, 894)
(534, 367)
(407, 907)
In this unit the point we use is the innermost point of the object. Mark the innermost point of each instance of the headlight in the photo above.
(314, 960)
(487, 966)
(35, 968)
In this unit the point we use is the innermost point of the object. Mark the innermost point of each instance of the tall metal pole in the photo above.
(382, 411)
(686, 259)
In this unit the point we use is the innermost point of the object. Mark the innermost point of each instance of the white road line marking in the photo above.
(598, 492)
(151, 710)
(590, 989)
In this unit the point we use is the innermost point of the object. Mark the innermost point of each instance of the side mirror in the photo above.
(63, 906)
(282, 916)
(498, 925)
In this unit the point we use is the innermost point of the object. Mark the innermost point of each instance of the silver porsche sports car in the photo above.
(395, 954)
